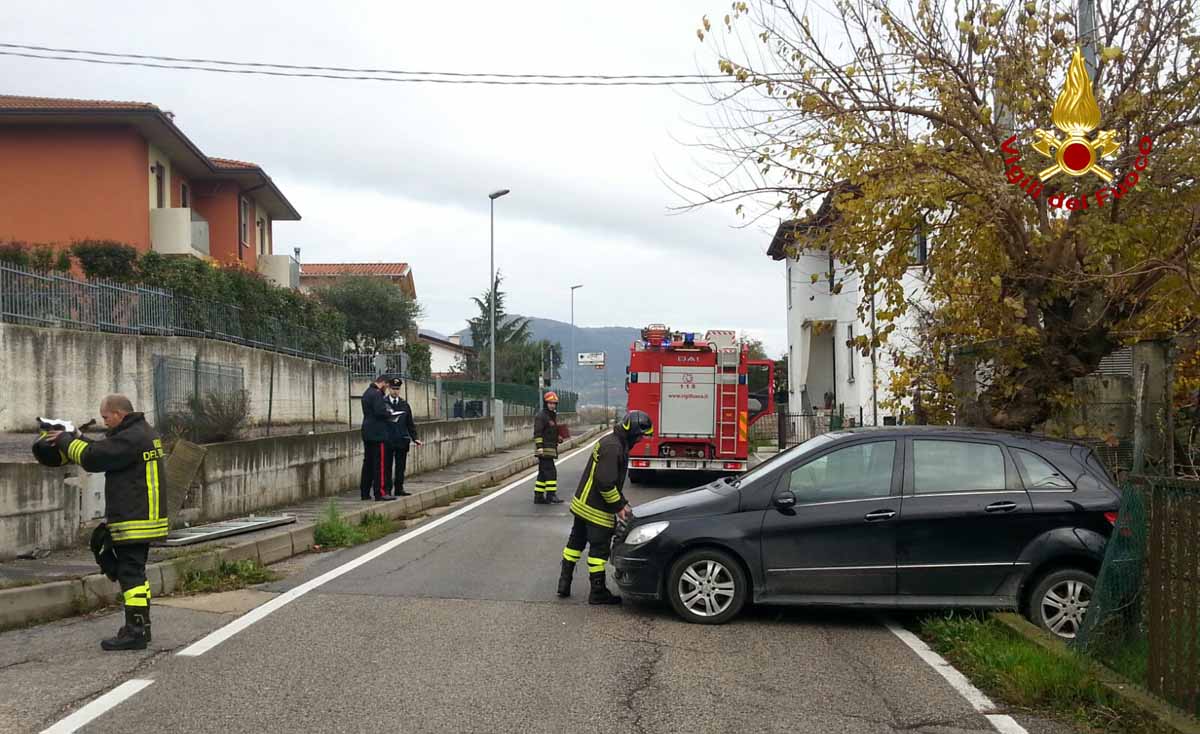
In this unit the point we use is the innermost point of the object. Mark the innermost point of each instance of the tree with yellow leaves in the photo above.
(1059, 199)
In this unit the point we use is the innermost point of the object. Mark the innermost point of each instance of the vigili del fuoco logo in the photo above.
(1076, 115)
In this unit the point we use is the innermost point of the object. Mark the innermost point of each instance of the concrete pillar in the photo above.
(497, 424)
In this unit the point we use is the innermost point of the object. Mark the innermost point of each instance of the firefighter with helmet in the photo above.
(598, 503)
(545, 447)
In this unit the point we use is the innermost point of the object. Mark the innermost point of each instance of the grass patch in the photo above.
(225, 576)
(334, 531)
(1020, 673)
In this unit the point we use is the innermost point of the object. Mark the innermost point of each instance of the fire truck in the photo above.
(698, 391)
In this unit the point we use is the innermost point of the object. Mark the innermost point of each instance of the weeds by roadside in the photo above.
(333, 531)
(226, 576)
(1022, 674)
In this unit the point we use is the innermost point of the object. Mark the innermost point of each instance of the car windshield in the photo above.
(760, 470)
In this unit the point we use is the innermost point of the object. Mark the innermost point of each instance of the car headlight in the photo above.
(645, 533)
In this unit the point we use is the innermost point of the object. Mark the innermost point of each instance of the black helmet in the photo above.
(47, 454)
(637, 424)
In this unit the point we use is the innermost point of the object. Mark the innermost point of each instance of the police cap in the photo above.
(395, 382)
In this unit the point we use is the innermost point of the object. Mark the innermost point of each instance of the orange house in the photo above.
(91, 169)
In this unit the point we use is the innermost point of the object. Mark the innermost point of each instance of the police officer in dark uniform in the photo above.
(598, 503)
(401, 431)
(131, 457)
(374, 436)
(545, 448)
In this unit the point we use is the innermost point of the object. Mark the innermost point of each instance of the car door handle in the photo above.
(878, 515)
(1001, 507)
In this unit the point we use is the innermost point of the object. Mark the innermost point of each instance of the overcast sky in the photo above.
(401, 172)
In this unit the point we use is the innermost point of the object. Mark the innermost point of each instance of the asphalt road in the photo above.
(459, 630)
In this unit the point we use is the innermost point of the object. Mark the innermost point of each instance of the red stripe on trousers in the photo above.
(381, 485)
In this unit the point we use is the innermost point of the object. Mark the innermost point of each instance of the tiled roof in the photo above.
(14, 102)
(322, 269)
(231, 163)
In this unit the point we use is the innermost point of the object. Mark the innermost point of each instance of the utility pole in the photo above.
(574, 354)
(1087, 37)
(492, 283)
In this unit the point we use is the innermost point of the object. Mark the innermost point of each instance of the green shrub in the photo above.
(333, 531)
(15, 253)
(107, 259)
(212, 418)
(227, 576)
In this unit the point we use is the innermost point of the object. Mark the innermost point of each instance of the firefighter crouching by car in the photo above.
(131, 457)
(545, 447)
(598, 503)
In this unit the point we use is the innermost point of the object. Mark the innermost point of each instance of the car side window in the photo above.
(1039, 473)
(856, 472)
(957, 466)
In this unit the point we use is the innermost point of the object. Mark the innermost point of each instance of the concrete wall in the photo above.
(64, 373)
(41, 507)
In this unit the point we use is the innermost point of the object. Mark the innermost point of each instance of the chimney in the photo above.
(296, 250)
(455, 339)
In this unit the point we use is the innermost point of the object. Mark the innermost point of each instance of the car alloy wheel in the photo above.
(1060, 602)
(707, 586)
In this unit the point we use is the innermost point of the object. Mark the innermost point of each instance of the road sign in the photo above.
(586, 358)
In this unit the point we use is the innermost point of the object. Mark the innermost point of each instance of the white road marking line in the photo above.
(85, 715)
(218, 636)
(980, 702)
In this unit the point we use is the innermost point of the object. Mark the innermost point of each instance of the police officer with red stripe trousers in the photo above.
(131, 457)
(597, 504)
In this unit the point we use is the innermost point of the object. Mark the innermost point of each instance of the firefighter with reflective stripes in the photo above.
(131, 457)
(598, 503)
(545, 447)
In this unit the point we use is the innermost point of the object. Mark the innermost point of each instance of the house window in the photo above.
(831, 271)
(850, 344)
(262, 237)
(920, 247)
(185, 196)
(243, 224)
(788, 272)
(160, 175)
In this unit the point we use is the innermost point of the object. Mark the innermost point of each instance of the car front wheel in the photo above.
(707, 586)
(1060, 600)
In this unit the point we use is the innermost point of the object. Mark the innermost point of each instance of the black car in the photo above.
(911, 517)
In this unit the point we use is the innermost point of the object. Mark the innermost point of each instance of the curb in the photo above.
(28, 605)
(1168, 717)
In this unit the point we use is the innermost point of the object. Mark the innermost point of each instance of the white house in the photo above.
(445, 355)
(826, 375)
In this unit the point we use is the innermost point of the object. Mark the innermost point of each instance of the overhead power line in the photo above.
(221, 66)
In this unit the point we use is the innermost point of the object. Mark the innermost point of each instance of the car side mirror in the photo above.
(785, 500)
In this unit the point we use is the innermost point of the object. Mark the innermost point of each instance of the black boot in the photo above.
(600, 593)
(552, 498)
(564, 578)
(539, 498)
(135, 635)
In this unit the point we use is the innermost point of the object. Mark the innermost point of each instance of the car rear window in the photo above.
(1096, 467)
(957, 466)
(1039, 473)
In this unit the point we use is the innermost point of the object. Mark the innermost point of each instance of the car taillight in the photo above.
(640, 463)
(1111, 517)
(1124, 530)
(733, 465)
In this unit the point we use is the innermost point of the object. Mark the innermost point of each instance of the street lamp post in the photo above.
(574, 356)
(492, 285)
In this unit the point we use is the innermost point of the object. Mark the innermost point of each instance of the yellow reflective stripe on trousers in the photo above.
(572, 555)
(595, 564)
(138, 596)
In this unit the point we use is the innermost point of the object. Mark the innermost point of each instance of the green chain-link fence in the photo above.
(1144, 617)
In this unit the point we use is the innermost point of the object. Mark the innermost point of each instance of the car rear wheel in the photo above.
(707, 586)
(1060, 600)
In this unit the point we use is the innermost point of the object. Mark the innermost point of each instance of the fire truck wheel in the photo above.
(641, 476)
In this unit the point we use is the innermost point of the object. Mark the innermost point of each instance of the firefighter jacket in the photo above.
(599, 497)
(545, 434)
(131, 457)
(375, 415)
(401, 427)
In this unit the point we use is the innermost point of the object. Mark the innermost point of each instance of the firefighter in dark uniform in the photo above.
(131, 457)
(545, 447)
(598, 503)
